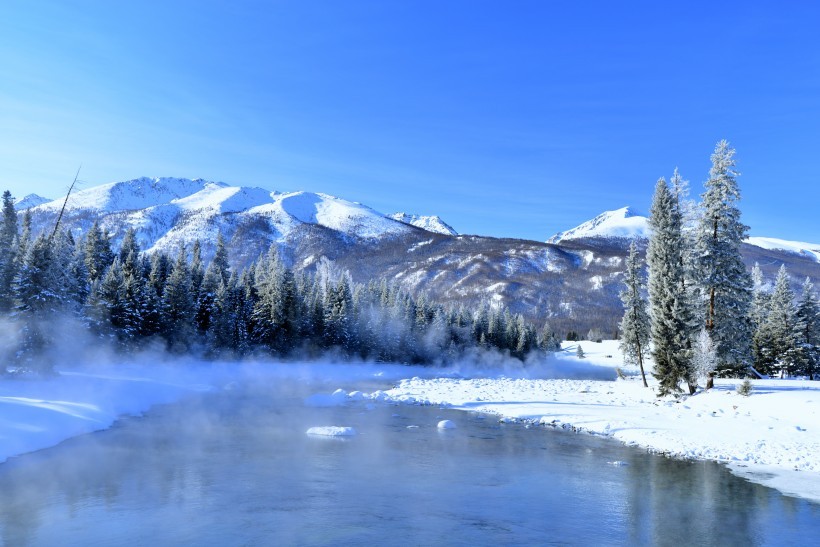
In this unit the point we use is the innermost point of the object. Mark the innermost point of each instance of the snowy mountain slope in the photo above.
(430, 223)
(573, 284)
(622, 223)
(31, 200)
(129, 195)
(167, 211)
(809, 250)
(625, 224)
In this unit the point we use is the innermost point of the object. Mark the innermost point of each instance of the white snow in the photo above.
(772, 436)
(446, 424)
(39, 413)
(131, 194)
(620, 223)
(332, 431)
(810, 250)
(430, 223)
(31, 200)
(166, 211)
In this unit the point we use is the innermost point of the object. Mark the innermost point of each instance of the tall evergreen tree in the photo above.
(808, 330)
(635, 325)
(8, 252)
(670, 306)
(725, 284)
(98, 253)
(178, 304)
(777, 346)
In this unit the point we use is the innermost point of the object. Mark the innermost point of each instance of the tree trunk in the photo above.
(640, 363)
(710, 381)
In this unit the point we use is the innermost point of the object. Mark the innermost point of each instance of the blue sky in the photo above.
(514, 119)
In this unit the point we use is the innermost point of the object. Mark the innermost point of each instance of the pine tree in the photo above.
(275, 309)
(548, 340)
(178, 311)
(635, 325)
(705, 359)
(25, 237)
(808, 330)
(670, 306)
(8, 252)
(777, 346)
(220, 259)
(98, 253)
(725, 284)
(39, 296)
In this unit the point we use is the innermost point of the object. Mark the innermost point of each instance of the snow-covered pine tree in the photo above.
(777, 344)
(274, 311)
(724, 283)
(39, 293)
(760, 298)
(808, 330)
(8, 252)
(547, 339)
(197, 270)
(635, 325)
(670, 306)
(98, 253)
(704, 357)
(178, 303)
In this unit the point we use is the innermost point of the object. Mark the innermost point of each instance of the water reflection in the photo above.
(238, 468)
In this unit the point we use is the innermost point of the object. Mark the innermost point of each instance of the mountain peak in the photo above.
(31, 200)
(623, 223)
(430, 223)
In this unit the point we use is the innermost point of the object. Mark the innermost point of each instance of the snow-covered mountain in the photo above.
(573, 281)
(623, 223)
(167, 211)
(809, 250)
(429, 223)
(31, 200)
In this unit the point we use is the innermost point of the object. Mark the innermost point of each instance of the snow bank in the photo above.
(39, 413)
(765, 437)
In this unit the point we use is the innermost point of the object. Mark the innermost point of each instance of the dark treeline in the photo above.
(131, 299)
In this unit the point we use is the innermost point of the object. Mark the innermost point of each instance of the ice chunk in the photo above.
(332, 431)
(446, 424)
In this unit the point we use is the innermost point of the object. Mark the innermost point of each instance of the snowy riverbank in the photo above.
(771, 437)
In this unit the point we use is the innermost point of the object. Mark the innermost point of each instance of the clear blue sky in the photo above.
(505, 118)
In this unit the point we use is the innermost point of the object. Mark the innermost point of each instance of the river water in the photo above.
(236, 468)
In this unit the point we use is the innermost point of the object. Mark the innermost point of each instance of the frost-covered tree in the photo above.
(670, 306)
(177, 312)
(776, 345)
(39, 291)
(98, 253)
(725, 285)
(547, 339)
(704, 358)
(635, 325)
(8, 252)
(808, 330)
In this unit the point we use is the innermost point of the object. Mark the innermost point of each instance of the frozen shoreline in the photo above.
(771, 437)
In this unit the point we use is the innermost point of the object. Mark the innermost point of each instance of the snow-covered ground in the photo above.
(771, 437)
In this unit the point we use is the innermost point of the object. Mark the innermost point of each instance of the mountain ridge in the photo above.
(572, 283)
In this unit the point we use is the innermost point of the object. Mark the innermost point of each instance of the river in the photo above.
(237, 468)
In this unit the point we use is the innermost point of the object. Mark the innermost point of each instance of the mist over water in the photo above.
(236, 467)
